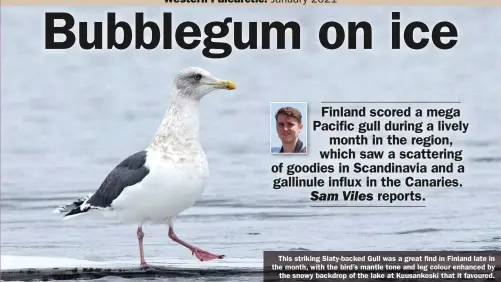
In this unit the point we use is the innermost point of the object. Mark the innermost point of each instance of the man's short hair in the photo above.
(290, 112)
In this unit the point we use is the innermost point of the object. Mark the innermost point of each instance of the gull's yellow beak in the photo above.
(228, 84)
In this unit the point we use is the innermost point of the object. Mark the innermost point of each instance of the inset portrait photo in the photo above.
(288, 127)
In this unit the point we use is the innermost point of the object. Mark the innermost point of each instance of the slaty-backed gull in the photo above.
(154, 185)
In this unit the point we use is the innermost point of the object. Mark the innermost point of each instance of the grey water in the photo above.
(68, 117)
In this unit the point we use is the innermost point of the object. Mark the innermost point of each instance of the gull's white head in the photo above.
(194, 83)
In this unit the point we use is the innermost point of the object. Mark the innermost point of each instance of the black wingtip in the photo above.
(76, 211)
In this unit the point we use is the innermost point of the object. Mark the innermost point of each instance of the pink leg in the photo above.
(199, 253)
(140, 236)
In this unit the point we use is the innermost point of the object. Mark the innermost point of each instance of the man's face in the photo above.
(288, 128)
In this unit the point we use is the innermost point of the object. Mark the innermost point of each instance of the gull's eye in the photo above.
(197, 77)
